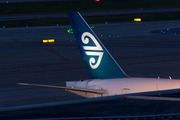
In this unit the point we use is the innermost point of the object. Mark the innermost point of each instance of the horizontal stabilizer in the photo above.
(66, 88)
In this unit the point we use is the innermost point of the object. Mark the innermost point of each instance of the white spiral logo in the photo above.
(97, 47)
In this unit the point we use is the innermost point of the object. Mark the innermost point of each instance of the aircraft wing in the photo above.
(152, 98)
(66, 88)
(53, 108)
(88, 100)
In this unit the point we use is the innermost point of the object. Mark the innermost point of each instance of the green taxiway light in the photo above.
(71, 30)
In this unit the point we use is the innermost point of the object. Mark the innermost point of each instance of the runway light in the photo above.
(71, 30)
(48, 41)
(51, 40)
(137, 19)
(45, 41)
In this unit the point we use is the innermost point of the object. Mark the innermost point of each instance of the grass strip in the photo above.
(84, 6)
(92, 19)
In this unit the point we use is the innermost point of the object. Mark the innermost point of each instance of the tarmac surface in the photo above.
(37, 16)
(140, 53)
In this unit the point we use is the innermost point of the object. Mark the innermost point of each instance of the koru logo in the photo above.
(96, 48)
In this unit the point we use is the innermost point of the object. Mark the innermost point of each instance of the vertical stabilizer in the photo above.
(100, 63)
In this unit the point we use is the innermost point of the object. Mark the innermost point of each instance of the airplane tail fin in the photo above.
(100, 63)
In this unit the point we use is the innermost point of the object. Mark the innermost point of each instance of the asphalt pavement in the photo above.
(37, 16)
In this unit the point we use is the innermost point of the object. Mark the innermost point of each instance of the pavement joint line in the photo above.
(152, 62)
(41, 71)
(149, 56)
(57, 54)
(116, 59)
(15, 40)
(38, 65)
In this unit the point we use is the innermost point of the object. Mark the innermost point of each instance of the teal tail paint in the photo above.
(100, 63)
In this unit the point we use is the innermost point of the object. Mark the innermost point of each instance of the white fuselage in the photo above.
(123, 86)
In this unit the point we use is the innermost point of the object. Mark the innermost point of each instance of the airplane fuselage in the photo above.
(123, 86)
